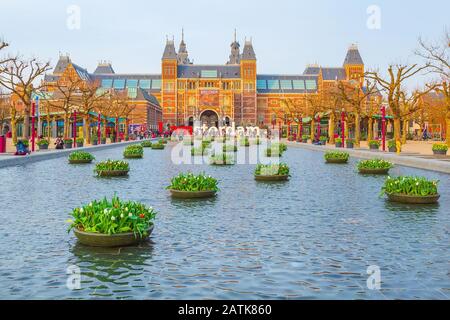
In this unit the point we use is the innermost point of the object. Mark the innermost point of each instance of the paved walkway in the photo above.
(410, 159)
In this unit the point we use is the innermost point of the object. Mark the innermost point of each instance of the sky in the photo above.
(287, 34)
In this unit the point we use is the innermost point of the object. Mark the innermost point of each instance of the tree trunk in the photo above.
(105, 123)
(370, 129)
(49, 127)
(26, 122)
(87, 128)
(346, 131)
(397, 125)
(357, 130)
(405, 130)
(66, 125)
(312, 130)
(331, 128)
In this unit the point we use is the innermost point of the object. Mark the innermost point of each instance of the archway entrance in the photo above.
(209, 118)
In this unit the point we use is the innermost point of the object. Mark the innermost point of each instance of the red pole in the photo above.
(33, 136)
(99, 130)
(383, 126)
(318, 128)
(343, 128)
(117, 129)
(74, 134)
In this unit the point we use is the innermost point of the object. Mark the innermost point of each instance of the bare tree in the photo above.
(5, 106)
(292, 111)
(19, 76)
(393, 86)
(437, 57)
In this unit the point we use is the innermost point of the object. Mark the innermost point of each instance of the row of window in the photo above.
(286, 85)
(118, 84)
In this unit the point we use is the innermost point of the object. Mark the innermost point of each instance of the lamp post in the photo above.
(383, 126)
(33, 135)
(343, 127)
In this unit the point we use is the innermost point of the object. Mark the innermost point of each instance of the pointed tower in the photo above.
(248, 75)
(168, 83)
(235, 56)
(183, 55)
(353, 64)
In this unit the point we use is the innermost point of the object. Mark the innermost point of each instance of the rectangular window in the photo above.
(311, 85)
(286, 84)
(169, 86)
(273, 84)
(298, 84)
(119, 84)
(107, 83)
(132, 83)
(209, 73)
(145, 84)
(132, 93)
(156, 84)
(261, 84)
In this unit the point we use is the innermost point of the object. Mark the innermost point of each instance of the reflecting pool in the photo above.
(313, 237)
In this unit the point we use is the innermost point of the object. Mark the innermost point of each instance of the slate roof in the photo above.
(223, 71)
(353, 56)
(104, 68)
(61, 65)
(333, 73)
(248, 53)
(312, 70)
(169, 51)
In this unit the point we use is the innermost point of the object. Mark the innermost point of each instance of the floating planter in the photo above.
(158, 146)
(273, 152)
(223, 159)
(374, 145)
(135, 151)
(374, 166)
(336, 157)
(80, 157)
(112, 168)
(112, 223)
(272, 172)
(440, 149)
(146, 144)
(413, 190)
(199, 151)
(188, 142)
(163, 141)
(229, 148)
(245, 142)
(190, 186)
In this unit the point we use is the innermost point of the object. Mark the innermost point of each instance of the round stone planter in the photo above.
(373, 171)
(67, 146)
(192, 194)
(403, 198)
(336, 160)
(393, 149)
(94, 142)
(440, 152)
(112, 173)
(133, 156)
(271, 178)
(80, 161)
(113, 240)
(79, 145)
(103, 141)
(374, 148)
(43, 147)
(158, 147)
(338, 144)
(222, 163)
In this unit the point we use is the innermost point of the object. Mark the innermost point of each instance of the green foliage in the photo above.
(222, 159)
(112, 165)
(199, 151)
(375, 164)
(323, 138)
(244, 142)
(338, 140)
(339, 155)
(412, 186)
(440, 147)
(273, 152)
(350, 140)
(229, 148)
(133, 151)
(374, 143)
(281, 169)
(43, 142)
(146, 144)
(158, 146)
(206, 143)
(80, 140)
(392, 144)
(68, 141)
(306, 137)
(113, 217)
(81, 155)
(192, 182)
(188, 142)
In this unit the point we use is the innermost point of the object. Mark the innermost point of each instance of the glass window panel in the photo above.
(209, 73)
(286, 84)
(132, 83)
(273, 84)
(311, 85)
(156, 84)
(261, 84)
(119, 83)
(298, 84)
(132, 93)
(145, 84)
(107, 83)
